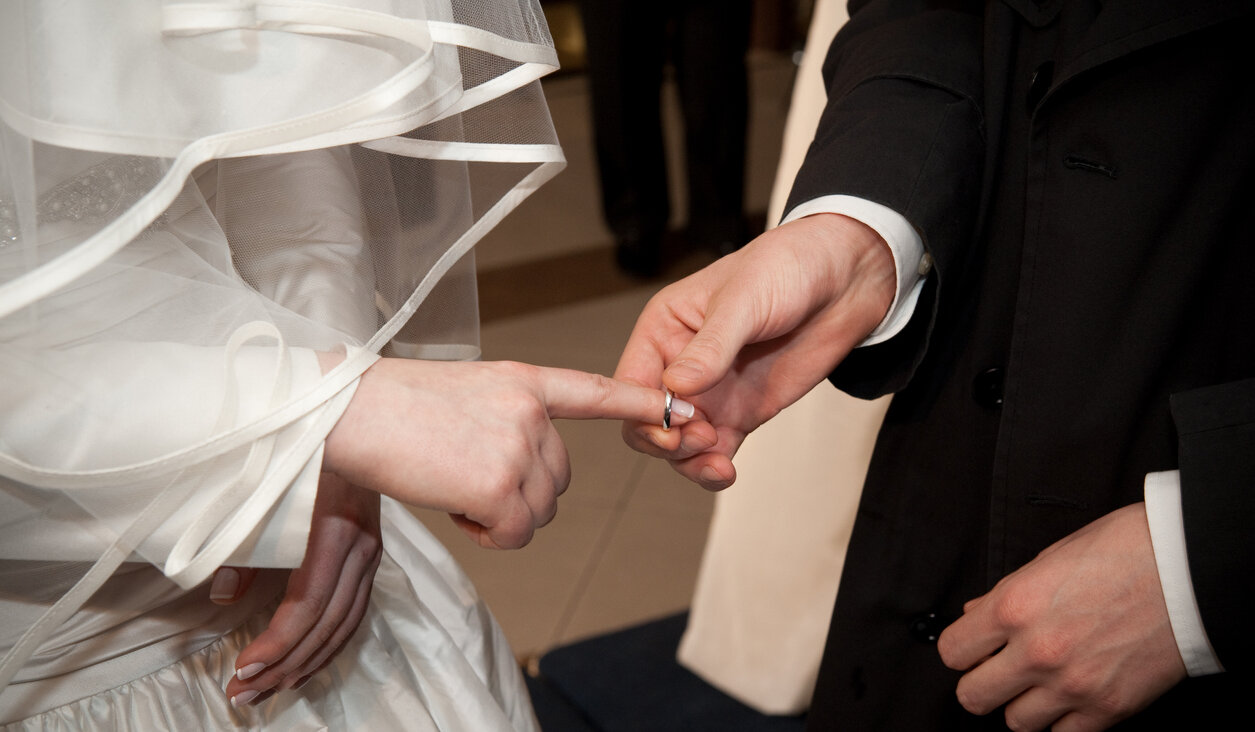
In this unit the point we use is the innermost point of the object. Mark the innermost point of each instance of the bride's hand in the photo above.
(475, 439)
(326, 596)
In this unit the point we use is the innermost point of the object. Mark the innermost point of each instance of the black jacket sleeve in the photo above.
(1216, 454)
(903, 128)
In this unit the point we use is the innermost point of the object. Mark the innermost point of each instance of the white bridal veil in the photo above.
(198, 200)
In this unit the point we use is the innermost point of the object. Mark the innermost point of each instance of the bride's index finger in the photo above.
(571, 394)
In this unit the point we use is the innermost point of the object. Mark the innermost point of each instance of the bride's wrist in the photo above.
(328, 360)
(345, 445)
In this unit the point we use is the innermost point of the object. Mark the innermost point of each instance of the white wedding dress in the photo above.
(197, 199)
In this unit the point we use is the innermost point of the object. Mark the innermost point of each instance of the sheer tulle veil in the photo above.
(199, 198)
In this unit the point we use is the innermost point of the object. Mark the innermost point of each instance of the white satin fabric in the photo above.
(428, 656)
(198, 201)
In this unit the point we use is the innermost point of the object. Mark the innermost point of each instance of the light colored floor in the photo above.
(627, 541)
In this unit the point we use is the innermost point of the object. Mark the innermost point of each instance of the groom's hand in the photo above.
(476, 440)
(1077, 639)
(753, 332)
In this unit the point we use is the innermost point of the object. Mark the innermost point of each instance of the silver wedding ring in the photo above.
(666, 411)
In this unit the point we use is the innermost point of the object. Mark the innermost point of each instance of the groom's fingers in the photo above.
(708, 357)
(642, 359)
(573, 394)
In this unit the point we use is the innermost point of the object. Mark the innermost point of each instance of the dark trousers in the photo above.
(628, 45)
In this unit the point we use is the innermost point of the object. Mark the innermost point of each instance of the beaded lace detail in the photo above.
(96, 196)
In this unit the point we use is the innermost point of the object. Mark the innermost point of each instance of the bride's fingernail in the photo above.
(244, 697)
(249, 671)
(226, 582)
(682, 408)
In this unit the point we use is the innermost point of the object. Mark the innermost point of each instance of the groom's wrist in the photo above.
(864, 267)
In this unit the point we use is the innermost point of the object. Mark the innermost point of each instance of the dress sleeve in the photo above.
(160, 404)
(90, 409)
(903, 128)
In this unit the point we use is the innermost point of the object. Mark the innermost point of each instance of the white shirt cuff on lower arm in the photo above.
(1167, 536)
(904, 242)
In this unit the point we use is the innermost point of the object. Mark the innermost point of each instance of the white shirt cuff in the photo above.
(909, 258)
(1167, 536)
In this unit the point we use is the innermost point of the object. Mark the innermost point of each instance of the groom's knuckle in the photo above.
(1050, 650)
(1089, 686)
(1014, 608)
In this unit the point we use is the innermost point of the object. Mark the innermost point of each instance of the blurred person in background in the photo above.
(628, 46)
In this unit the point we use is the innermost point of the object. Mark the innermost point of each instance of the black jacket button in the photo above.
(987, 388)
(1038, 85)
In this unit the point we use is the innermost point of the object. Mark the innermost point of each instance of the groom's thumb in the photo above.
(706, 358)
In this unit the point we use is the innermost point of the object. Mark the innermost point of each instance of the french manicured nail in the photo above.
(682, 408)
(244, 697)
(226, 582)
(249, 671)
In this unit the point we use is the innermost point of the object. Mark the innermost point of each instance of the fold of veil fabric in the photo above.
(198, 202)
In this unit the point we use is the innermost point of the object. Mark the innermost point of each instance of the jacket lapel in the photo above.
(1122, 27)
(1118, 28)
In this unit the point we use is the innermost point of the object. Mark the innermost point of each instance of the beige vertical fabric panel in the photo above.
(778, 536)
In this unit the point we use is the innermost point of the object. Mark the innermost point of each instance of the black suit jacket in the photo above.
(1083, 175)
